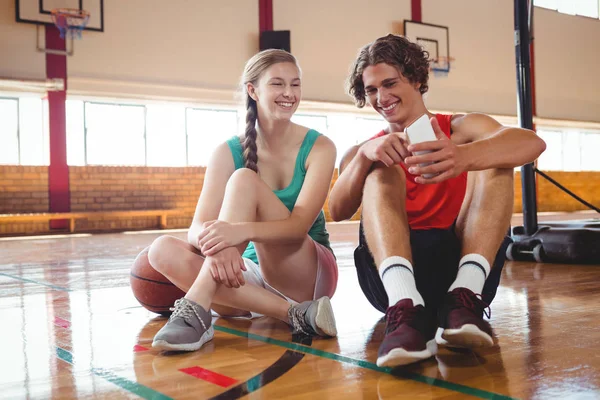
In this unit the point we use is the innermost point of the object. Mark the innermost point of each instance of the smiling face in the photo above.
(391, 74)
(391, 94)
(278, 91)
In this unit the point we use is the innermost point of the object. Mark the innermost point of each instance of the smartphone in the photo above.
(421, 131)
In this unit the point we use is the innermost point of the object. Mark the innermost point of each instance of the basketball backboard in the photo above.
(435, 39)
(39, 11)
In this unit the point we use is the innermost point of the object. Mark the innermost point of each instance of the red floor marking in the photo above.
(137, 348)
(63, 323)
(207, 375)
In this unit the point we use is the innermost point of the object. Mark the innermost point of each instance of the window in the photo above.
(75, 133)
(169, 134)
(33, 132)
(206, 129)
(569, 150)
(165, 135)
(114, 134)
(369, 127)
(316, 122)
(9, 131)
(154, 135)
(590, 144)
(586, 8)
(551, 158)
(23, 131)
(348, 130)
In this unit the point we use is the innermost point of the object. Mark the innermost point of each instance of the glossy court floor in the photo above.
(71, 328)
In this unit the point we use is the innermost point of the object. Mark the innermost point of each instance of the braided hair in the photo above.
(254, 69)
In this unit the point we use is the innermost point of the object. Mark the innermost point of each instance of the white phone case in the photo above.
(418, 132)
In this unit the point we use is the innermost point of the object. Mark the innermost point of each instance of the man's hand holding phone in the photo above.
(389, 149)
(434, 156)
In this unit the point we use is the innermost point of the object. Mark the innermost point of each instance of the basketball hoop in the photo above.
(70, 21)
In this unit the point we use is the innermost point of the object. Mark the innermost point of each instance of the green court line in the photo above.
(133, 387)
(143, 391)
(49, 285)
(456, 387)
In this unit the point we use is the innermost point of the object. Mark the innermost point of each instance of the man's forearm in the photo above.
(509, 148)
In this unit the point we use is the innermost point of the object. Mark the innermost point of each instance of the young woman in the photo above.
(257, 243)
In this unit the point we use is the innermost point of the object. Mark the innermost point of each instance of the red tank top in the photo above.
(433, 206)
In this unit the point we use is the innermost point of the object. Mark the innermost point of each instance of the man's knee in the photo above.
(382, 175)
(492, 187)
(494, 176)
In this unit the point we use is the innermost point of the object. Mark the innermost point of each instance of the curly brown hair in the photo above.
(409, 58)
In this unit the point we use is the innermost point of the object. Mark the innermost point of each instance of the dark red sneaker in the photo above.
(409, 335)
(461, 322)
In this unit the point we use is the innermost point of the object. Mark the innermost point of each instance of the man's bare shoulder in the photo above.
(473, 126)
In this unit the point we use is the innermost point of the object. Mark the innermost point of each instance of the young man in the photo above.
(429, 247)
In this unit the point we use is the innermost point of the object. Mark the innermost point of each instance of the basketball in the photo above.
(155, 292)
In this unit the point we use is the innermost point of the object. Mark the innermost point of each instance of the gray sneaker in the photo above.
(313, 317)
(188, 328)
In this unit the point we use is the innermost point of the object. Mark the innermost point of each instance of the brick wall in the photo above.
(550, 198)
(25, 189)
(134, 188)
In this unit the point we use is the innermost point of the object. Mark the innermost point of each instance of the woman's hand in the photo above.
(226, 267)
(218, 235)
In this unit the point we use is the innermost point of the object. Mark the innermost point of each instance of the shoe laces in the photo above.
(297, 319)
(472, 301)
(184, 309)
(399, 314)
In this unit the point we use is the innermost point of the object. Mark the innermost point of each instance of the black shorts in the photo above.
(436, 253)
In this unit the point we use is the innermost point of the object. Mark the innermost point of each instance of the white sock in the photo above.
(399, 280)
(473, 270)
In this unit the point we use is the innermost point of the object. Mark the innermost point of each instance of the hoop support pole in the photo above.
(51, 51)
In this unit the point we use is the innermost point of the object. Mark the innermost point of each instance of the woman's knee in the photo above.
(159, 253)
(242, 179)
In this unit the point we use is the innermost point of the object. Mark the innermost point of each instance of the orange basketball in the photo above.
(155, 292)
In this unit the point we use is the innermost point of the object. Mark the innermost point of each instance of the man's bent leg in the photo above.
(409, 328)
(482, 225)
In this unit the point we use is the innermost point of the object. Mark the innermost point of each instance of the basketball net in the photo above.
(70, 21)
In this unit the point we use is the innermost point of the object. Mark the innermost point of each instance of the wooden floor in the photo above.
(72, 329)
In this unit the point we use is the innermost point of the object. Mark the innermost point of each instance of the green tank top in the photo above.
(288, 195)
